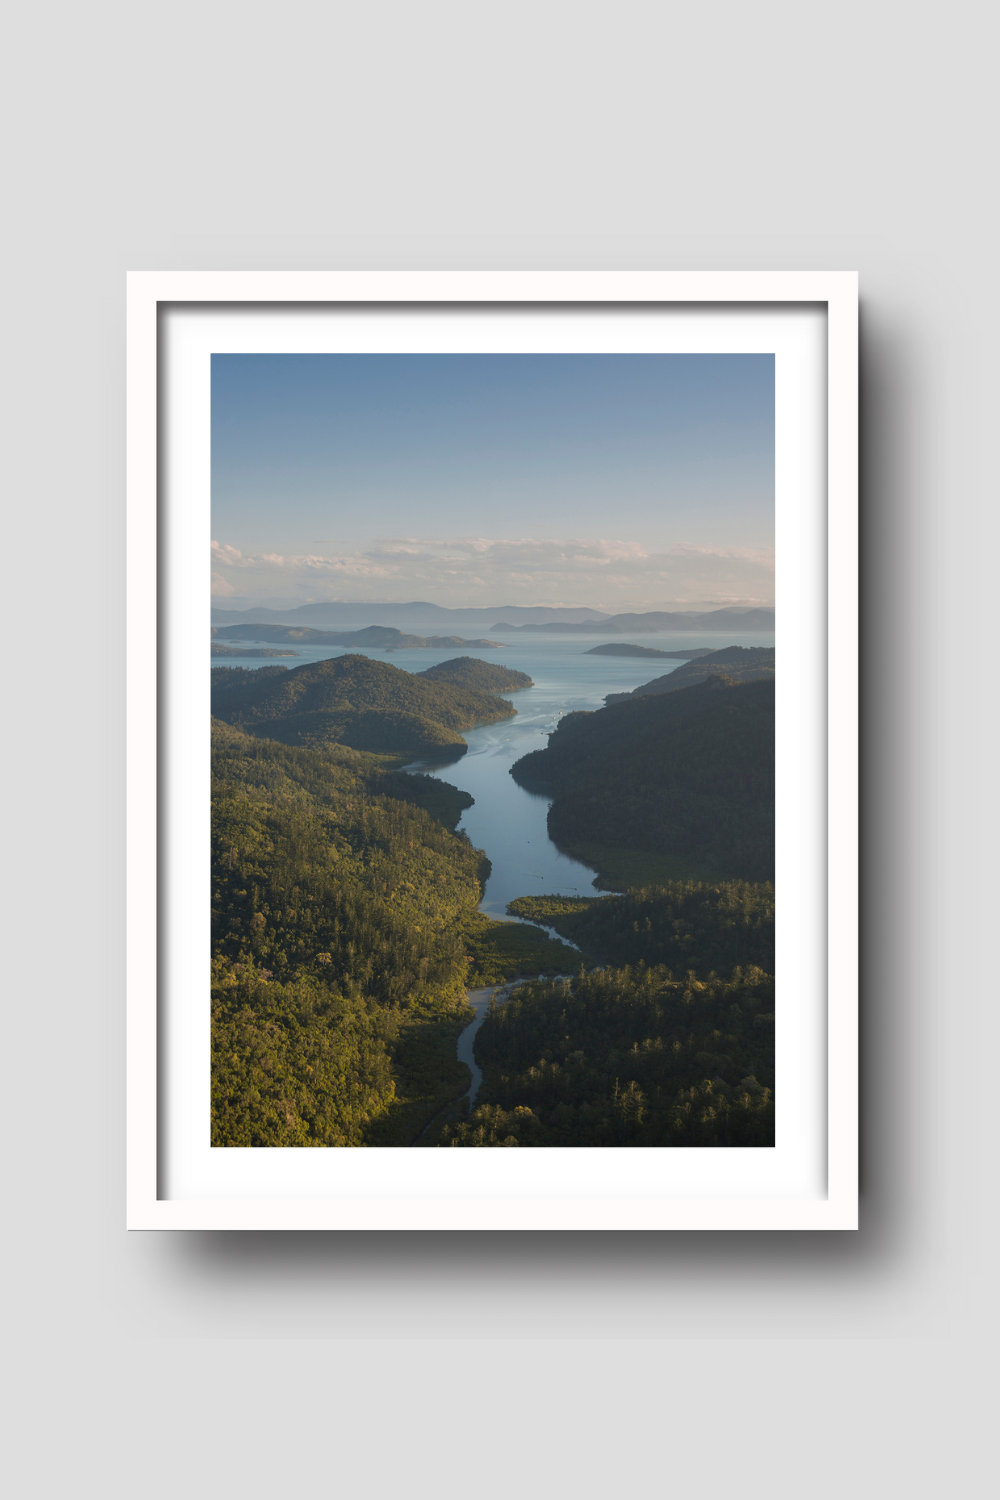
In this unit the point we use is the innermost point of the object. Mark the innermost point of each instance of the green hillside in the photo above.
(228, 679)
(478, 676)
(354, 701)
(687, 775)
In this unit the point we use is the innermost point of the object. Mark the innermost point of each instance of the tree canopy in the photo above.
(635, 1056)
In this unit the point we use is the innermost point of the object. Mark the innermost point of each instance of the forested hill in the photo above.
(352, 700)
(229, 679)
(338, 956)
(741, 663)
(688, 775)
(479, 676)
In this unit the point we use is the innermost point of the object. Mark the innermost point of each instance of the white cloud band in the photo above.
(474, 570)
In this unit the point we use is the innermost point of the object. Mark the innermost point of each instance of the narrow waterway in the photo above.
(465, 1047)
(507, 822)
(480, 1002)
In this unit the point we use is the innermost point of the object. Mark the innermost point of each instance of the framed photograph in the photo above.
(491, 872)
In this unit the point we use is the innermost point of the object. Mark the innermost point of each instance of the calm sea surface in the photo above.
(506, 821)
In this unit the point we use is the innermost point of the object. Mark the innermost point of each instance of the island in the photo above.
(218, 650)
(616, 648)
(478, 676)
(385, 636)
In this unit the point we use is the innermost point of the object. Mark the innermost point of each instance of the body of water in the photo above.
(507, 822)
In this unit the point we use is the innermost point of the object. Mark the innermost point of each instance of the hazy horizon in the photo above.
(240, 604)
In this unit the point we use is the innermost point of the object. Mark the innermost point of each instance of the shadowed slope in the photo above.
(740, 663)
(688, 774)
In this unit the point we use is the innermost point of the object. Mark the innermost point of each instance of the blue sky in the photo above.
(615, 480)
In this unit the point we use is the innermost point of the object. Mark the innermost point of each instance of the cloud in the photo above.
(477, 570)
(229, 557)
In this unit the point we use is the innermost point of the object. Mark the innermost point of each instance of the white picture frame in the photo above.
(497, 1190)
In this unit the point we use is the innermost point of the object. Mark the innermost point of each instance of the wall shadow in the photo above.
(889, 1229)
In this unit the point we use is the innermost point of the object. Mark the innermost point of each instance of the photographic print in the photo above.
(493, 750)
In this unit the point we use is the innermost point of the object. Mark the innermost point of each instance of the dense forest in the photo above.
(738, 663)
(230, 679)
(635, 1056)
(345, 931)
(687, 775)
(673, 1045)
(684, 924)
(355, 701)
(479, 676)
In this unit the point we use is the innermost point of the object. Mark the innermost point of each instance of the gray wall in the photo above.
(476, 136)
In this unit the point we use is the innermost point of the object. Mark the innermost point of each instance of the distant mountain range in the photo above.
(419, 613)
(408, 616)
(656, 621)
